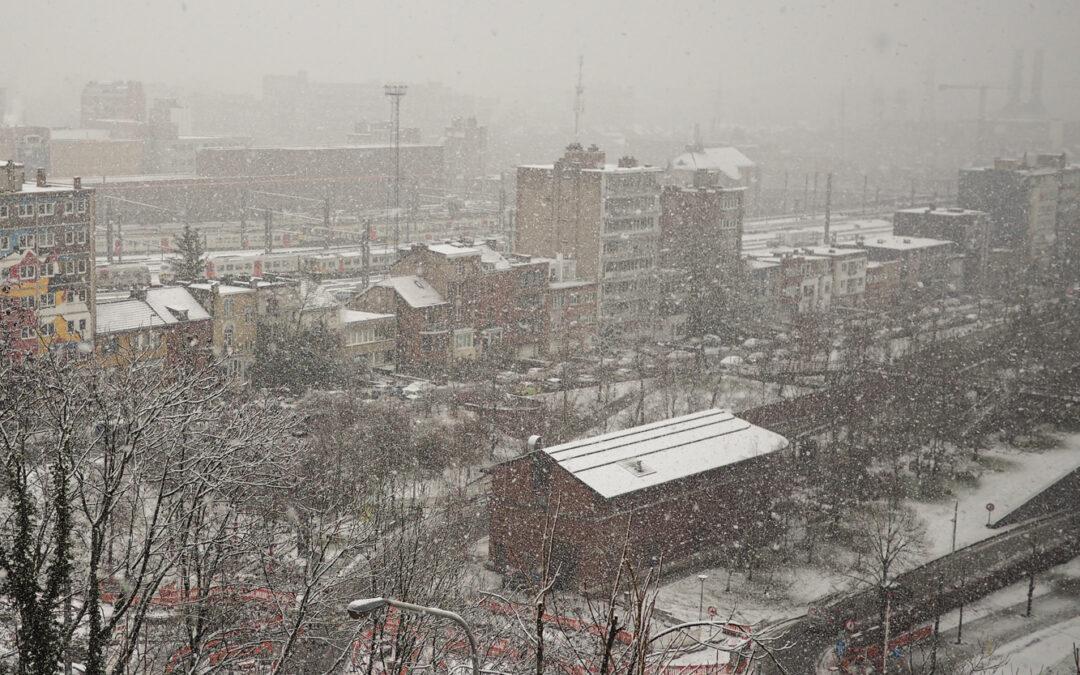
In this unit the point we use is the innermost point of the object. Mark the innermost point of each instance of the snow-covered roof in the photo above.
(168, 300)
(348, 316)
(898, 243)
(162, 307)
(943, 211)
(453, 250)
(728, 160)
(414, 290)
(121, 315)
(222, 289)
(625, 461)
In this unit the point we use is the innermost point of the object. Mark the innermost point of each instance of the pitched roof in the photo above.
(728, 160)
(414, 290)
(625, 461)
(162, 307)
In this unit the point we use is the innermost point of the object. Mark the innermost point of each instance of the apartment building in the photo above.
(46, 262)
(605, 217)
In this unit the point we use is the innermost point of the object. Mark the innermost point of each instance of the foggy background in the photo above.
(666, 64)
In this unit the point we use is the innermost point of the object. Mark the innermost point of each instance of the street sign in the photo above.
(989, 511)
(713, 611)
(849, 625)
(990, 506)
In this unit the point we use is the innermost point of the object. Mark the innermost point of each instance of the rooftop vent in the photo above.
(637, 467)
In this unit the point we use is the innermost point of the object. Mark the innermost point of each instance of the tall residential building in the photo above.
(700, 239)
(106, 105)
(605, 217)
(1030, 205)
(46, 263)
(968, 229)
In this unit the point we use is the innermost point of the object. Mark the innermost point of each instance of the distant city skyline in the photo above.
(767, 61)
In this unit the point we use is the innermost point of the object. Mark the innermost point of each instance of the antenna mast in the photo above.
(579, 97)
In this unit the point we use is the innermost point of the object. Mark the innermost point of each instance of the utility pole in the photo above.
(243, 219)
(326, 221)
(865, 185)
(396, 92)
(108, 234)
(119, 241)
(268, 231)
(828, 208)
(813, 210)
(783, 198)
(579, 97)
(806, 195)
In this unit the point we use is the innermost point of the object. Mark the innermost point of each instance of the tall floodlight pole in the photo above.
(395, 92)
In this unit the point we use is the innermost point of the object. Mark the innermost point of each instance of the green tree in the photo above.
(190, 264)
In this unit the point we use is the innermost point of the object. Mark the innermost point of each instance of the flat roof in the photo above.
(899, 243)
(626, 461)
(943, 211)
(354, 316)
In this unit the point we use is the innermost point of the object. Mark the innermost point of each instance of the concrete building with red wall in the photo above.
(670, 491)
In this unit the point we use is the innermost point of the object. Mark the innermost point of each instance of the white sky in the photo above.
(768, 54)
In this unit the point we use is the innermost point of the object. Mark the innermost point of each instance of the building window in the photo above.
(227, 306)
(71, 327)
(5, 242)
(69, 237)
(82, 325)
(82, 206)
(26, 210)
(28, 271)
(46, 300)
(464, 338)
(26, 241)
(81, 235)
(48, 329)
(81, 267)
(69, 207)
(46, 208)
(27, 332)
(3, 211)
(228, 335)
(47, 239)
(28, 302)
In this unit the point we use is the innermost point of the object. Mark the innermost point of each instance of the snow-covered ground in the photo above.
(1022, 474)
(1037, 653)
(771, 596)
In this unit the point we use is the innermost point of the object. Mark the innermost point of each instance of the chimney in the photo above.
(41, 177)
(1016, 82)
(1037, 82)
(77, 182)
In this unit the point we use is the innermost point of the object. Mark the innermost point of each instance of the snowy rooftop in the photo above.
(414, 290)
(222, 289)
(625, 461)
(453, 250)
(943, 211)
(833, 252)
(729, 161)
(348, 316)
(560, 285)
(163, 306)
(896, 243)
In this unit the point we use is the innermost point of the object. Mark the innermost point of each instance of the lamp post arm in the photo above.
(444, 614)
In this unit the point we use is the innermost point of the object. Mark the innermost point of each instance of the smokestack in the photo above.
(77, 182)
(1016, 83)
(1036, 103)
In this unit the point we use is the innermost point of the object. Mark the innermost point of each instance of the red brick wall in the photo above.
(669, 522)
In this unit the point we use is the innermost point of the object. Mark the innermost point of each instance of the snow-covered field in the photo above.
(1025, 472)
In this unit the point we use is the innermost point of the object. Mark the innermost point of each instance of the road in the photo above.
(932, 589)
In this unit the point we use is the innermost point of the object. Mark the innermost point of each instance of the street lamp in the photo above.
(360, 608)
(701, 596)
